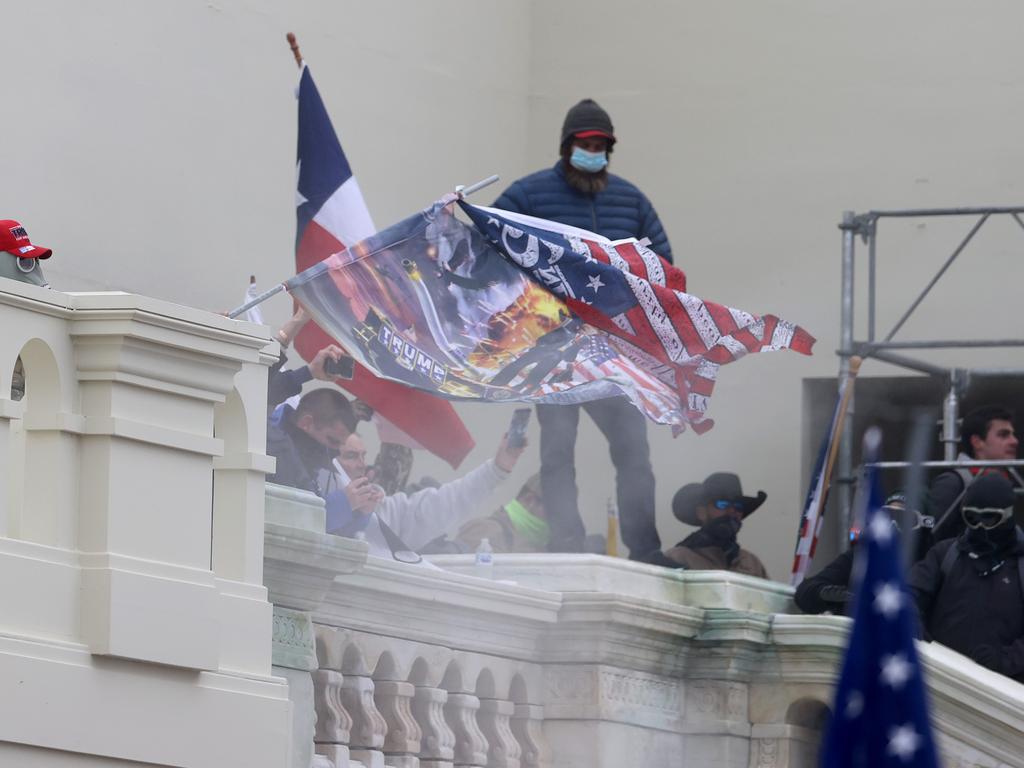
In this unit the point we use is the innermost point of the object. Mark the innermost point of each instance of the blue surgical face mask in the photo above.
(589, 162)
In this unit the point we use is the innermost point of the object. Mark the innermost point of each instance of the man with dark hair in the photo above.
(986, 434)
(579, 191)
(305, 439)
(970, 590)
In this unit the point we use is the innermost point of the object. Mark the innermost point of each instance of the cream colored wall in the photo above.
(152, 146)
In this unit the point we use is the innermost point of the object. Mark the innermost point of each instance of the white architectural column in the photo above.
(368, 726)
(437, 746)
(333, 722)
(149, 375)
(470, 742)
(526, 727)
(10, 464)
(402, 740)
(503, 750)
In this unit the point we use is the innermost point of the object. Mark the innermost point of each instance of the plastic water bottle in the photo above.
(484, 561)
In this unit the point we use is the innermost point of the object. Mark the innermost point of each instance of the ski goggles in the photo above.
(724, 504)
(986, 517)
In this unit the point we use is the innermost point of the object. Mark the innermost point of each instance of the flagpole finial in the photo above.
(294, 45)
(855, 363)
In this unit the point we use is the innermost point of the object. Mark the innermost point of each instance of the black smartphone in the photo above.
(344, 368)
(517, 428)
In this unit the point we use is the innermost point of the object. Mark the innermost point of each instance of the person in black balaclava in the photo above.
(718, 506)
(828, 591)
(970, 590)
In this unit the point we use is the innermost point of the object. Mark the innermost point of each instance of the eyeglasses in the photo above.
(724, 504)
(986, 517)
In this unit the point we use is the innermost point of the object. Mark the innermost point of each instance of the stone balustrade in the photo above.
(580, 660)
(162, 606)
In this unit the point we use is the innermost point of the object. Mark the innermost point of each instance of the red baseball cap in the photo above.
(591, 134)
(14, 240)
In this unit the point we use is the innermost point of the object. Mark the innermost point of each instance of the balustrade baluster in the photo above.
(503, 749)
(470, 742)
(333, 722)
(402, 740)
(368, 726)
(437, 746)
(526, 725)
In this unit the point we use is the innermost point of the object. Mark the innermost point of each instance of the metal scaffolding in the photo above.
(886, 349)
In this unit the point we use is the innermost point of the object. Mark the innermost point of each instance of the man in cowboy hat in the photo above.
(719, 507)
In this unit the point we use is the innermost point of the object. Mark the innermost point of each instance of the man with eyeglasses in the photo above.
(986, 434)
(970, 590)
(719, 507)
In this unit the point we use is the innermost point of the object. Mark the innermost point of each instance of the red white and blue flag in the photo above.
(629, 292)
(441, 306)
(332, 216)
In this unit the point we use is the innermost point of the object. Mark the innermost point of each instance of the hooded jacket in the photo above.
(980, 616)
(618, 212)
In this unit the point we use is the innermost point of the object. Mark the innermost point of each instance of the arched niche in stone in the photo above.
(808, 713)
(43, 466)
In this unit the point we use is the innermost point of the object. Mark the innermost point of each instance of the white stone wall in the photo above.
(134, 624)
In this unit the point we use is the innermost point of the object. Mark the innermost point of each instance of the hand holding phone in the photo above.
(342, 368)
(517, 428)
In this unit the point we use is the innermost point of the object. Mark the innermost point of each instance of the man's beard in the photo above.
(587, 183)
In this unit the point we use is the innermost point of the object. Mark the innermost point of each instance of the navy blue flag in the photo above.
(880, 710)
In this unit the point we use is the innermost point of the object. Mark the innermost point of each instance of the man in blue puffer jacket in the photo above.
(580, 192)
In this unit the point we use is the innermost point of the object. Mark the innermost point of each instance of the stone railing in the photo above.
(134, 623)
(581, 660)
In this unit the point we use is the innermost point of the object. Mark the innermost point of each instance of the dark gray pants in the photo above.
(625, 428)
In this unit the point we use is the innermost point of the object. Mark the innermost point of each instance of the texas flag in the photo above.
(331, 216)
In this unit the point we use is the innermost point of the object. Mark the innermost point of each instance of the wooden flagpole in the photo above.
(833, 448)
(294, 45)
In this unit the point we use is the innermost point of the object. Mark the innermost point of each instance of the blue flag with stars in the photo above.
(880, 713)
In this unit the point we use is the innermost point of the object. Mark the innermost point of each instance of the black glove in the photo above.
(834, 593)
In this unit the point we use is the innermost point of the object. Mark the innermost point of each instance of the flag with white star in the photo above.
(625, 289)
(332, 216)
(880, 711)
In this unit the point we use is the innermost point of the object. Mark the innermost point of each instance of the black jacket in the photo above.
(829, 588)
(978, 616)
(299, 457)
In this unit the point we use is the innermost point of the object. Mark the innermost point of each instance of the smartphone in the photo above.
(344, 368)
(517, 428)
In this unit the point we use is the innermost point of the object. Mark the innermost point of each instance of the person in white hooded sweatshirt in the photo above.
(397, 525)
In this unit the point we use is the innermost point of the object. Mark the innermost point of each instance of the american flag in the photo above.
(331, 216)
(628, 291)
(880, 709)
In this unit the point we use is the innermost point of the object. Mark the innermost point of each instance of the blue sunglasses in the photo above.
(724, 504)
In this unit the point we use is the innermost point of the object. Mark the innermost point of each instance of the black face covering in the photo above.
(720, 532)
(988, 549)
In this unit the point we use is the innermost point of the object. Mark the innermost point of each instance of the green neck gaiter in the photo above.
(532, 528)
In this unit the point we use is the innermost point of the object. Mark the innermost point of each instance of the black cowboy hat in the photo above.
(718, 485)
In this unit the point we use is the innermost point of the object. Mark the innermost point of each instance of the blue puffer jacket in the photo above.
(620, 211)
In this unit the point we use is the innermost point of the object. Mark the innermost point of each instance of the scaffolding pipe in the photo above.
(950, 413)
(845, 464)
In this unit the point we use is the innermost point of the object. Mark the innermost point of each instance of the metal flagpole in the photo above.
(461, 190)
